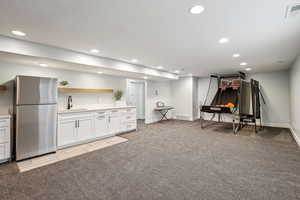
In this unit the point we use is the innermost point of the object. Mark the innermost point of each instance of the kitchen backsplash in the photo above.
(85, 99)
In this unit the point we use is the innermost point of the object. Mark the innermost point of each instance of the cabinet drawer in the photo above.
(115, 113)
(129, 110)
(4, 134)
(128, 117)
(101, 117)
(4, 151)
(74, 116)
(102, 113)
(4, 122)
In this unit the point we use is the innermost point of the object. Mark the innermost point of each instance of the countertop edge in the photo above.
(5, 116)
(93, 109)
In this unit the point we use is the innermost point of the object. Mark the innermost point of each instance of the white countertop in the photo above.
(89, 108)
(5, 116)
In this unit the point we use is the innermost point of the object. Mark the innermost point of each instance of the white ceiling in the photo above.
(163, 33)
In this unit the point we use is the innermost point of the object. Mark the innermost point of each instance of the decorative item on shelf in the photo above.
(63, 83)
(118, 96)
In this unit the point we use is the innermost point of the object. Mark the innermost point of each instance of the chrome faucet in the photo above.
(70, 104)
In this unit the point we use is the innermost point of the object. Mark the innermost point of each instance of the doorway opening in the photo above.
(136, 97)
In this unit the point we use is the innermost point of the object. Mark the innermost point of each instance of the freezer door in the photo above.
(35, 90)
(35, 130)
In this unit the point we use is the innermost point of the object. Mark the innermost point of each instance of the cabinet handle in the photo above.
(75, 123)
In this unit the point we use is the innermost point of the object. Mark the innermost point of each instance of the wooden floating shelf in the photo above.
(2, 87)
(83, 90)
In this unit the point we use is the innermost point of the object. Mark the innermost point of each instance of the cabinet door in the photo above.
(85, 129)
(66, 132)
(4, 151)
(101, 126)
(4, 134)
(114, 124)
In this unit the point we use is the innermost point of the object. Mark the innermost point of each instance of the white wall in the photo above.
(185, 98)
(295, 99)
(157, 91)
(195, 103)
(182, 95)
(83, 80)
(76, 79)
(275, 89)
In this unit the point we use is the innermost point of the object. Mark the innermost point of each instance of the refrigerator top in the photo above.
(36, 77)
(32, 90)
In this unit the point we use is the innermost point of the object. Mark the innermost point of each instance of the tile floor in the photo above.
(68, 153)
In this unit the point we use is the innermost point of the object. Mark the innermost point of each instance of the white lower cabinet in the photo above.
(5, 144)
(75, 128)
(4, 151)
(101, 125)
(114, 125)
(85, 129)
(4, 134)
(66, 132)
(128, 126)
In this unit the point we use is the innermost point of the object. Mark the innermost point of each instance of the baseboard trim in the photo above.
(183, 117)
(296, 137)
(278, 125)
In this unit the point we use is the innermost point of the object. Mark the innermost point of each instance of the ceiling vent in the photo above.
(292, 10)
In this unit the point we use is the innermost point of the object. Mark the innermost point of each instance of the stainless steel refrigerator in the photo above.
(36, 116)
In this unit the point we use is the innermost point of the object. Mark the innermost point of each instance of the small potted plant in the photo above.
(63, 83)
(118, 96)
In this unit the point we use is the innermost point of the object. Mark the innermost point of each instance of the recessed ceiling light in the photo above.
(223, 40)
(134, 60)
(236, 55)
(94, 51)
(100, 72)
(243, 63)
(43, 65)
(145, 77)
(18, 33)
(248, 69)
(197, 9)
(159, 67)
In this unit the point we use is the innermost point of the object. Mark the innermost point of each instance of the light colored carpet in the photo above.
(169, 160)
